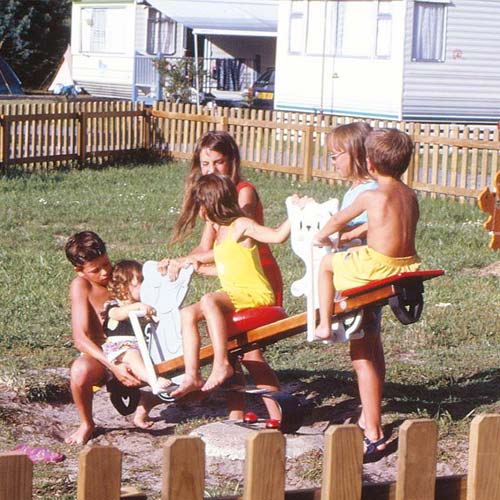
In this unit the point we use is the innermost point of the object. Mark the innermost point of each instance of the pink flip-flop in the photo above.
(40, 455)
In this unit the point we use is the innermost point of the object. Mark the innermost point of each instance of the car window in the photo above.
(266, 77)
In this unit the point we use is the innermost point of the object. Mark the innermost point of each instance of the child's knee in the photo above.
(208, 302)
(188, 313)
(86, 371)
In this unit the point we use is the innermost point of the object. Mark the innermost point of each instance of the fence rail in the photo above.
(449, 160)
(70, 133)
(183, 468)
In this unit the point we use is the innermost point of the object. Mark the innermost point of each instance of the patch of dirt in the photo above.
(490, 270)
(46, 424)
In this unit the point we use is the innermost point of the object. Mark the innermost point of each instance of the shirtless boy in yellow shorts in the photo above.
(392, 211)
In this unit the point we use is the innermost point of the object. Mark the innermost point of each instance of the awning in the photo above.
(223, 17)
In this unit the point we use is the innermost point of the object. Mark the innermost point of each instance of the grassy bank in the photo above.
(445, 366)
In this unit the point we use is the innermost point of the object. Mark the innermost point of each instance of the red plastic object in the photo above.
(248, 319)
(272, 423)
(250, 418)
(400, 277)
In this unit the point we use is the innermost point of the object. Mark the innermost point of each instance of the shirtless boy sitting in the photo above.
(392, 211)
(88, 293)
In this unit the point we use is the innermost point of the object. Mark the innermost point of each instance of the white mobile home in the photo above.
(428, 60)
(114, 42)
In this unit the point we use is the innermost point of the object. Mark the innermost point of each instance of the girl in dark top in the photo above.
(121, 345)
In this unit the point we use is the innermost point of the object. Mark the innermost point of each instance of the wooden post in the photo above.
(99, 473)
(342, 463)
(414, 162)
(265, 466)
(223, 123)
(183, 470)
(5, 141)
(147, 129)
(82, 138)
(307, 153)
(417, 455)
(483, 481)
(16, 477)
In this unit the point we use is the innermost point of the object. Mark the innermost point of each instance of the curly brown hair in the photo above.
(121, 277)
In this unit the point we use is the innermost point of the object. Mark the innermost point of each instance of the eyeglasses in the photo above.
(334, 156)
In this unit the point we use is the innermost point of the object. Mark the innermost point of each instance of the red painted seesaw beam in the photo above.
(260, 327)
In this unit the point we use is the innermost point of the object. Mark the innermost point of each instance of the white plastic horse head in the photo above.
(305, 222)
(166, 297)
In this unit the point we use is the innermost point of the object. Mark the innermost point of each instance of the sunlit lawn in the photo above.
(446, 364)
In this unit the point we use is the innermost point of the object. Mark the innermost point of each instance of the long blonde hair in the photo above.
(350, 138)
(217, 194)
(214, 140)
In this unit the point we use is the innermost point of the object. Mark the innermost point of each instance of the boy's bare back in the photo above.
(392, 208)
(392, 218)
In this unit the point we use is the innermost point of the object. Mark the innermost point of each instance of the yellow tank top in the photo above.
(241, 275)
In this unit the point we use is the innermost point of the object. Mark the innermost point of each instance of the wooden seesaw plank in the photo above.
(374, 294)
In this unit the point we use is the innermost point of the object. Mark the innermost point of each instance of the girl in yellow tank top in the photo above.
(241, 275)
(244, 285)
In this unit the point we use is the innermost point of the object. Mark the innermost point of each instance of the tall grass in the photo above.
(449, 357)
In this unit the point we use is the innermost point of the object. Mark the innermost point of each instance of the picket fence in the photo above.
(183, 468)
(450, 160)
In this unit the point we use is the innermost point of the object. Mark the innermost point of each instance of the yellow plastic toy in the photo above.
(489, 202)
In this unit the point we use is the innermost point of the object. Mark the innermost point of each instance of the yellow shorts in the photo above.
(244, 299)
(359, 266)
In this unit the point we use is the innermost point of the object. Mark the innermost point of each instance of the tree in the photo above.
(33, 37)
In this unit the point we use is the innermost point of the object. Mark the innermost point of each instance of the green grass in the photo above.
(134, 209)
(445, 366)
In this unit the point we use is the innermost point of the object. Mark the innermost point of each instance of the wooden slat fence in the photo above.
(450, 160)
(183, 469)
(82, 133)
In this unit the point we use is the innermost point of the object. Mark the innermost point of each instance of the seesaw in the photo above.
(161, 342)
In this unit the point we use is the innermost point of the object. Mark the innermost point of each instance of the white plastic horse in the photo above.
(305, 222)
(161, 340)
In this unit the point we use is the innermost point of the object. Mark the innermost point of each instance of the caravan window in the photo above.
(342, 27)
(355, 28)
(364, 29)
(321, 15)
(161, 34)
(102, 30)
(384, 30)
(429, 26)
(297, 33)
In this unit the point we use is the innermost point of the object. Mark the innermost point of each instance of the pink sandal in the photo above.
(37, 454)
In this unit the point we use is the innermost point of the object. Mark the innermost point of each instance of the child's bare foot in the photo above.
(323, 331)
(142, 420)
(189, 384)
(164, 382)
(81, 435)
(141, 416)
(217, 377)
